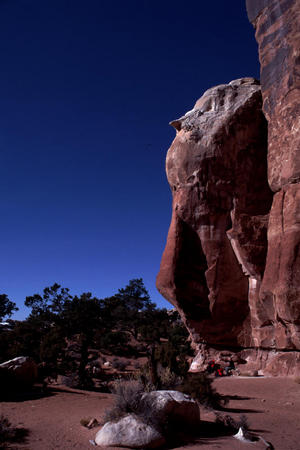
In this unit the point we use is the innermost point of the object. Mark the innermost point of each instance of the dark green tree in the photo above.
(50, 304)
(82, 317)
(64, 317)
(7, 307)
(127, 308)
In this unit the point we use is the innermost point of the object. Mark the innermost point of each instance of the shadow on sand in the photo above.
(207, 433)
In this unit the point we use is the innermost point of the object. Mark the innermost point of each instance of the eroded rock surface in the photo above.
(231, 265)
(277, 24)
(214, 259)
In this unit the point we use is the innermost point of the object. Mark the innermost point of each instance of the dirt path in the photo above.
(272, 406)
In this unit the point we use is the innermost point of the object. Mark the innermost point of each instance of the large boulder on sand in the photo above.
(130, 431)
(159, 408)
(174, 405)
(18, 372)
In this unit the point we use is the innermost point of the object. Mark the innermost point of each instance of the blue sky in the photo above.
(86, 93)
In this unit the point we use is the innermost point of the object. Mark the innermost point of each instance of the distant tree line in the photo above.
(124, 324)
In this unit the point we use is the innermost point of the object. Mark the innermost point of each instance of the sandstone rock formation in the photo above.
(216, 248)
(277, 24)
(231, 265)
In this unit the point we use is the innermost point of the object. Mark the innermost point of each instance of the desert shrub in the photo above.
(136, 365)
(118, 364)
(7, 433)
(167, 378)
(168, 355)
(144, 378)
(232, 424)
(52, 346)
(199, 386)
(114, 341)
(128, 395)
(129, 399)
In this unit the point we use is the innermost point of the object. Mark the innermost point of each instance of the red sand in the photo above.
(272, 406)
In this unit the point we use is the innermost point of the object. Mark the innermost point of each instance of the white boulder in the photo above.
(130, 431)
(174, 405)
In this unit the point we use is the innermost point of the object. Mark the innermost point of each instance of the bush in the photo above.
(10, 434)
(128, 399)
(199, 386)
(114, 341)
(230, 423)
(168, 355)
(167, 378)
(6, 432)
(119, 364)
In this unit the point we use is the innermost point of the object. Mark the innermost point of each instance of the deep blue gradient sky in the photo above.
(87, 89)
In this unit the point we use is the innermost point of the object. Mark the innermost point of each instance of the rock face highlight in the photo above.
(231, 265)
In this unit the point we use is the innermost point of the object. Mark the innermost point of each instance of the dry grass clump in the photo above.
(9, 433)
(6, 431)
(231, 424)
(168, 379)
(128, 399)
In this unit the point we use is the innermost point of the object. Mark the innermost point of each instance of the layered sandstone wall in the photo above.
(277, 31)
(231, 265)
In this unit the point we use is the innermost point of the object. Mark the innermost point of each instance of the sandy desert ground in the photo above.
(272, 406)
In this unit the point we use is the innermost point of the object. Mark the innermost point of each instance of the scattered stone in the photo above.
(92, 423)
(107, 364)
(243, 436)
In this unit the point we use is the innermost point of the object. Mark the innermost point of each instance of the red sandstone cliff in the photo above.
(231, 265)
(277, 25)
